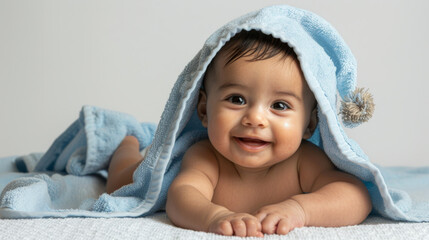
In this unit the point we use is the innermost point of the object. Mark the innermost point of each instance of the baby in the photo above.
(256, 173)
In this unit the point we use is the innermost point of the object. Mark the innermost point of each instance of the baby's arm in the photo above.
(333, 198)
(189, 198)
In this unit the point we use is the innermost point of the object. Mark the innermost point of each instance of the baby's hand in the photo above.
(281, 218)
(237, 224)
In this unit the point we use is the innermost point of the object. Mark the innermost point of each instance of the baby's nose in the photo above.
(255, 117)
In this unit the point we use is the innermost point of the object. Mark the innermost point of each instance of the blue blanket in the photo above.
(68, 180)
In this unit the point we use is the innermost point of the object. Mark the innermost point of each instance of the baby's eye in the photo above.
(236, 99)
(279, 106)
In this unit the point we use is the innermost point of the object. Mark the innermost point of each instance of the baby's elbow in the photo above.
(367, 204)
(363, 204)
(174, 201)
(169, 205)
(360, 199)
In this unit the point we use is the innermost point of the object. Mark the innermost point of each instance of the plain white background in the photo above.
(58, 55)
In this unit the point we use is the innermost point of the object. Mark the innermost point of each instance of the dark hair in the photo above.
(256, 44)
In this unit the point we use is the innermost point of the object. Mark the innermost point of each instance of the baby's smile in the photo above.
(251, 144)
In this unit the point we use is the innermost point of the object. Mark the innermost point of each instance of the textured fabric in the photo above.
(329, 69)
(159, 227)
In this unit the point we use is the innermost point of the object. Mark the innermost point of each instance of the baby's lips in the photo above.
(251, 144)
(252, 141)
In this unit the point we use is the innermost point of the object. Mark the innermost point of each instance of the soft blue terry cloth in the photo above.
(86, 146)
(81, 155)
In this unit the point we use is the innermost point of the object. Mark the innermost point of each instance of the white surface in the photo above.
(56, 56)
(159, 227)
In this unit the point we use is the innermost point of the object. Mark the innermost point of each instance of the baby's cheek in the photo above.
(218, 128)
(288, 134)
(286, 125)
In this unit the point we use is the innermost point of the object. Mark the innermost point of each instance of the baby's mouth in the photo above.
(251, 144)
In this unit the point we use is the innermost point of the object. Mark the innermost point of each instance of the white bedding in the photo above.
(159, 227)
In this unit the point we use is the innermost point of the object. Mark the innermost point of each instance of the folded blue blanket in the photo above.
(72, 171)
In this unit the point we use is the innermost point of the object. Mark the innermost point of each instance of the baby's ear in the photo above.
(311, 125)
(202, 107)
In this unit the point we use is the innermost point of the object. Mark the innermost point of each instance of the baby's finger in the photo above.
(239, 227)
(261, 216)
(269, 224)
(253, 227)
(284, 227)
(224, 228)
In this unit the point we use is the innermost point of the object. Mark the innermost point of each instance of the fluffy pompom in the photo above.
(357, 108)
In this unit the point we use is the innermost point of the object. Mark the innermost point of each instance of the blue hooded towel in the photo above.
(52, 186)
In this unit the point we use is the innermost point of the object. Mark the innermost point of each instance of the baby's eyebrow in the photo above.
(291, 94)
(231, 85)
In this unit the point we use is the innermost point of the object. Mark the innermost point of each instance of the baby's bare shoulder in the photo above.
(312, 155)
(312, 162)
(200, 157)
(199, 150)
(198, 170)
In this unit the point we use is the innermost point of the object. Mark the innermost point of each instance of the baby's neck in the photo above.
(251, 173)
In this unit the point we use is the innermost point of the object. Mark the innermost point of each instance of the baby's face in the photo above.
(256, 112)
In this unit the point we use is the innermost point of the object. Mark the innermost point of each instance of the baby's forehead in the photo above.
(283, 69)
(221, 72)
(222, 61)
